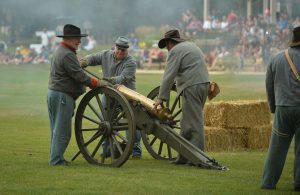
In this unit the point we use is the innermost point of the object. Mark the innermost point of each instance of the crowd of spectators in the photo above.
(192, 26)
(246, 41)
(147, 57)
(236, 42)
(27, 55)
(37, 53)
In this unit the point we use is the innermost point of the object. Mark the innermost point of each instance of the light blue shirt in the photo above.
(124, 70)
(283, 88)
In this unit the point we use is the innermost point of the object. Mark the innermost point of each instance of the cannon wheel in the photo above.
(157, 148)
(104, 127)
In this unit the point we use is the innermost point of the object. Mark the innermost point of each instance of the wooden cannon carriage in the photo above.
(107, 118)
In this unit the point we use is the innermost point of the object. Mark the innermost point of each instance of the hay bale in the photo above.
(220, 139)
(258, 137)
(237, 114)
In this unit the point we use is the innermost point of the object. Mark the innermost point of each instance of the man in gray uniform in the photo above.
(66, 84)
(118, 68)
(186, 67)
(283, 92)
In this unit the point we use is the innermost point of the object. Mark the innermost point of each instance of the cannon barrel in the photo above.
(162, 114)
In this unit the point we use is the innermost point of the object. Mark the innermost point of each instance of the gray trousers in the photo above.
(60, 109)
(286, 124)
(192, 120)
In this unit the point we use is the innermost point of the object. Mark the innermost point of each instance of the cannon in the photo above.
(107, 118)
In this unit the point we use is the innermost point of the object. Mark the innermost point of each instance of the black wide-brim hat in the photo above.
(171, 34)
(72, 31)
(296, 37)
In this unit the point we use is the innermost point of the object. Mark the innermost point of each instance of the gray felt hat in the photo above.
(171, 34)
(122, 42)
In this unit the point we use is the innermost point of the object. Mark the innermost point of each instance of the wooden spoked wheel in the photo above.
(104, 127)
(157, 148)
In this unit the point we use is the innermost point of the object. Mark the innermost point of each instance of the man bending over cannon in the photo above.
(185, 66)
(66, 84)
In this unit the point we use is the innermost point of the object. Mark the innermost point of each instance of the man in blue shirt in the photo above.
(283, 92)
(119, 68)
(67, 82)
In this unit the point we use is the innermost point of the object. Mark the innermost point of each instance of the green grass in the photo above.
(24, 135)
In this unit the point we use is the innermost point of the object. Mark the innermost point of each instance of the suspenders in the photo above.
(286, 52)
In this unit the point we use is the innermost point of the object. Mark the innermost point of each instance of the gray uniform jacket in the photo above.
(186, 66)
(124, 71)
(66, 74)
(283, 89)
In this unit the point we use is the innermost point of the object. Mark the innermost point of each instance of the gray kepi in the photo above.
(122, 42)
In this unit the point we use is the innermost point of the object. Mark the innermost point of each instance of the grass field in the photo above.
(24, 135)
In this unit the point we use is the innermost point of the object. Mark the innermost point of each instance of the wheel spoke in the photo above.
(160, 147)
(120, 136)
(153, 140)
(94, 110)
(95, 136)
(176, 127)
(169, 152)
(118, 118)
(98, 146)
(107, 106)
(90, 119)
(112, 154)
(177, 113)
(118, 145)
(101, 107)
(177, 100)
(90, 129)
(104, 153)
(112, 110)
(120, 127)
